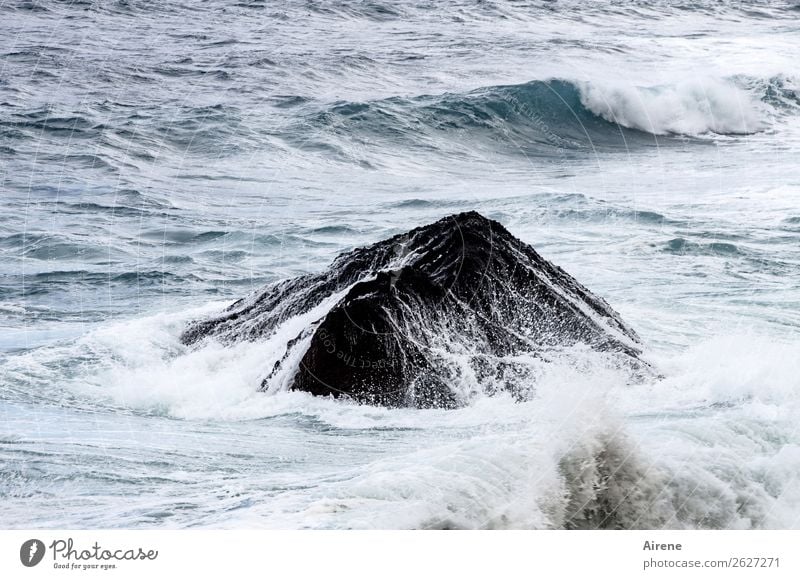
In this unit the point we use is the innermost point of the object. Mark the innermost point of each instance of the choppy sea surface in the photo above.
(160, 160)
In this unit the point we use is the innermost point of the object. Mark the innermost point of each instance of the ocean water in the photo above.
(160, 160)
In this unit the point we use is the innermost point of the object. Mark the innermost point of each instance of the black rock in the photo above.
(423, 318)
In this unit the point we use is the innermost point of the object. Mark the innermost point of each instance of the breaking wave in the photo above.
(548, 116)
(687, 108)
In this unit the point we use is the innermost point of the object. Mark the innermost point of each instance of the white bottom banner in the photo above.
(388, 554)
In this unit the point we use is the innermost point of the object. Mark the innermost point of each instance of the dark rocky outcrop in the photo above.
(423, 318)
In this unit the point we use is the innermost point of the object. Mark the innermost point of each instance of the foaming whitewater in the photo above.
(650, 151)
(711, 444)
(690, 107)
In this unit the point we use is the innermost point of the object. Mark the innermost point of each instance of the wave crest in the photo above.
(686, 108)
(548, 117)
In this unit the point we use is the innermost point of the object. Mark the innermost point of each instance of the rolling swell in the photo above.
(549, 117)
(552, 118)
(540, 117)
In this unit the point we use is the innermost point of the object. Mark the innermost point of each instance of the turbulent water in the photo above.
(160, 160)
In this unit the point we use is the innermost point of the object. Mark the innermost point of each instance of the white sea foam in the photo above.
(712, 444)
(690, 107)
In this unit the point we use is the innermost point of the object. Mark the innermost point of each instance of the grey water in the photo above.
(158, 161)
